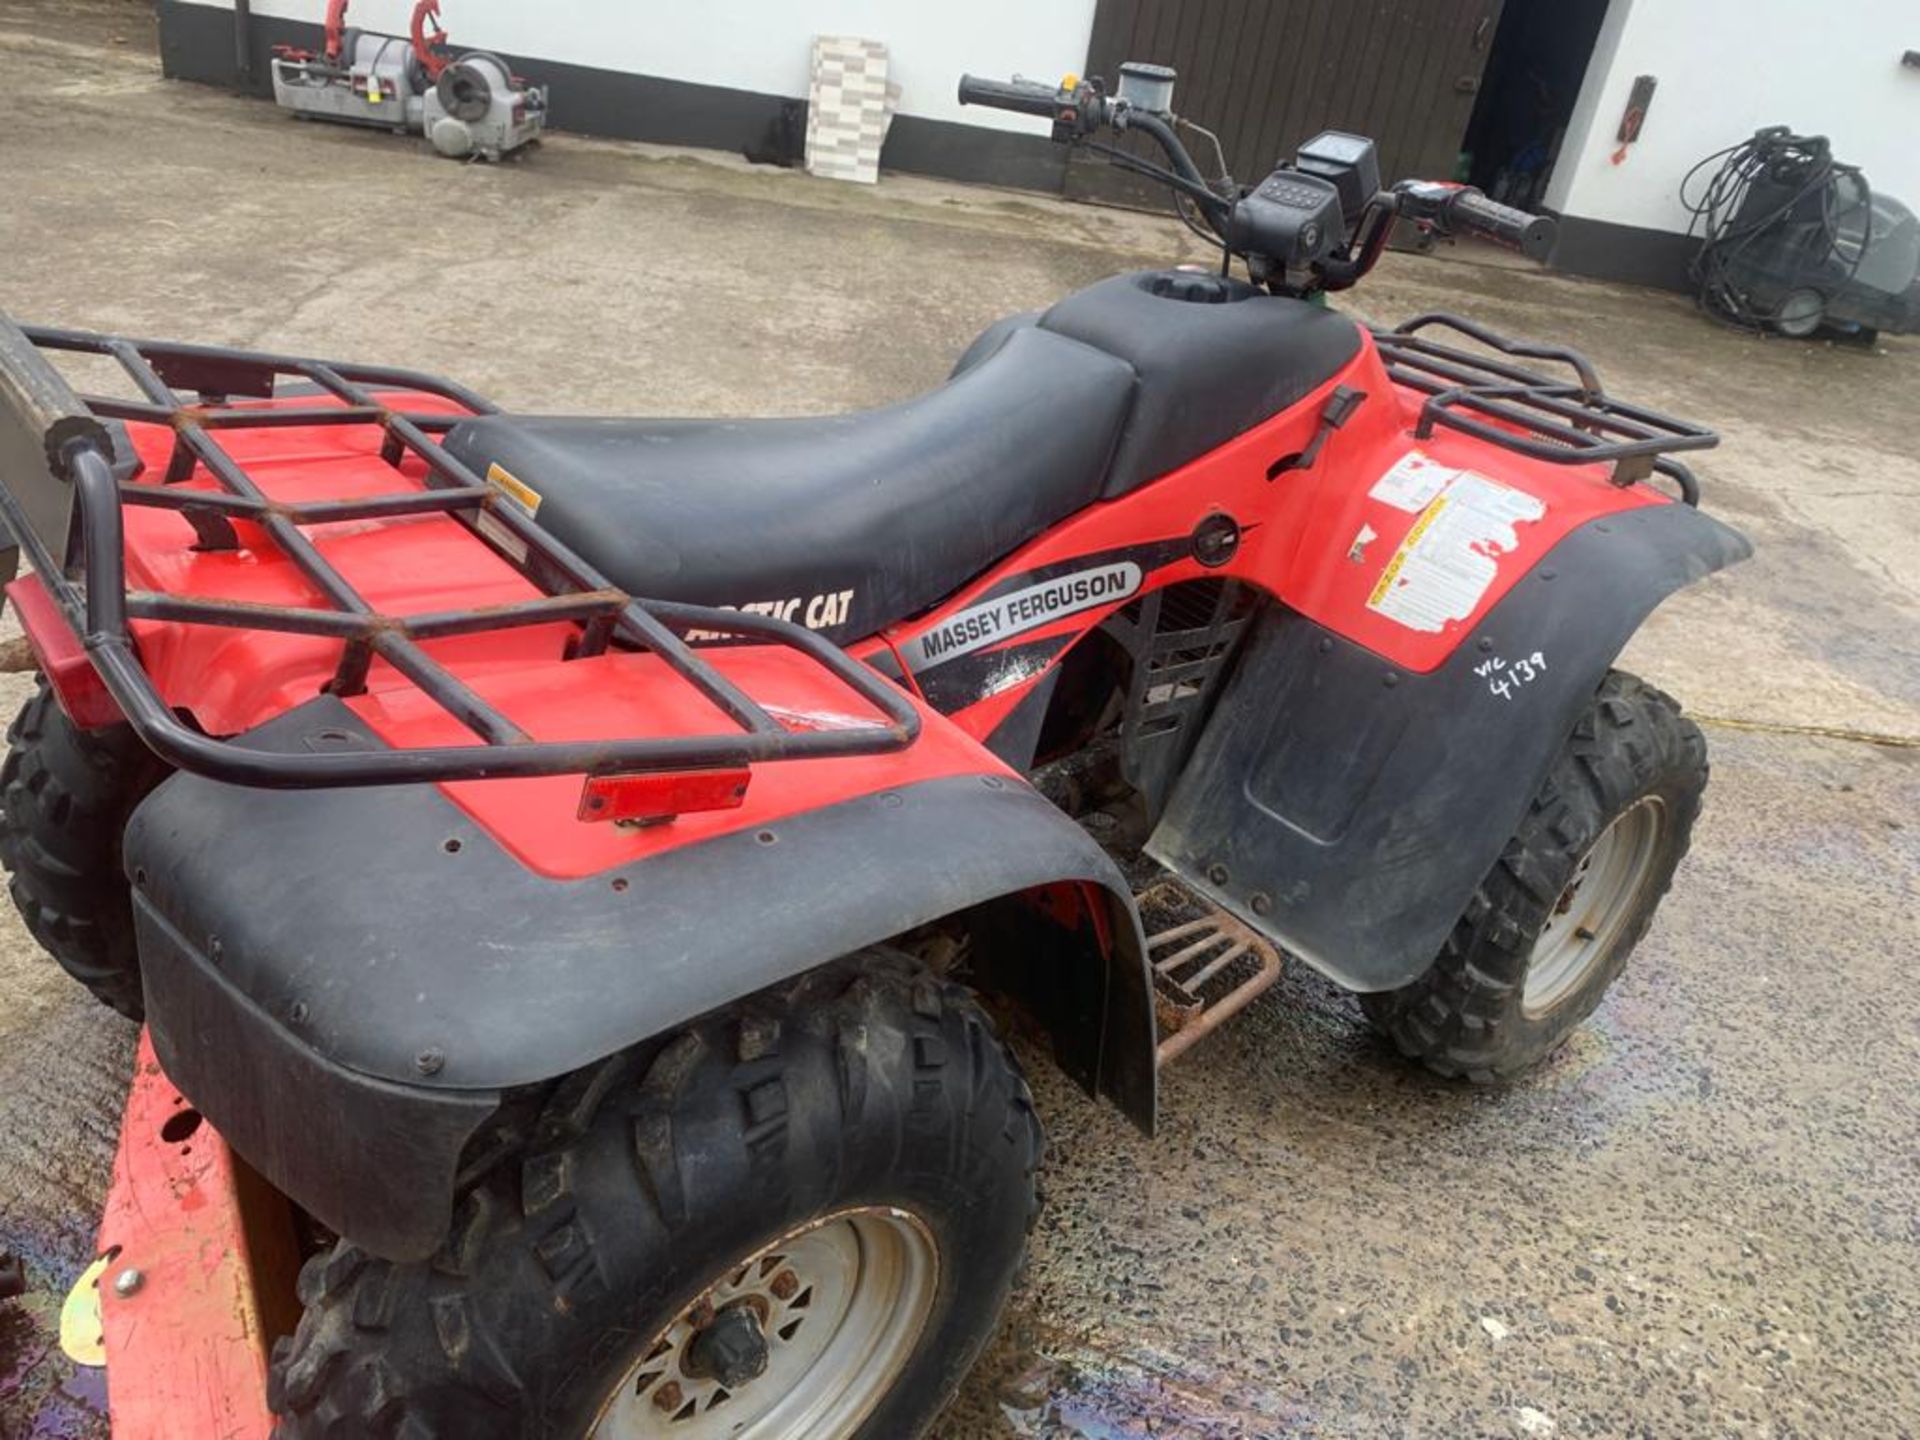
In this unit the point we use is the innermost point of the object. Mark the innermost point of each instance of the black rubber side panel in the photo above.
(394, 927)
(1210, 369)
(370, 1159)
(1346, 808)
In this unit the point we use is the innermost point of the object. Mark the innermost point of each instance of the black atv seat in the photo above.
(850, 522)
(860, 518)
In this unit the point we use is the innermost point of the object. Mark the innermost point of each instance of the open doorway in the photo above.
(1527, 93)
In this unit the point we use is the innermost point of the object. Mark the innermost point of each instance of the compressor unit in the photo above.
(1794, 241)
(469, 106)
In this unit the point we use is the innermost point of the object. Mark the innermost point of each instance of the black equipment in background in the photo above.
(1793, 241)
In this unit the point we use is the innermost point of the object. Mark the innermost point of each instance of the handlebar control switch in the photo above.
(1291, 218)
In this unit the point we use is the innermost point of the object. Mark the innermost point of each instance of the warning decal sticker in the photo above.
(1412, 482)
(1451, 556)
(514, 488)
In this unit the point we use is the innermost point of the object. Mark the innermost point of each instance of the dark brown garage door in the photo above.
(1267, 74)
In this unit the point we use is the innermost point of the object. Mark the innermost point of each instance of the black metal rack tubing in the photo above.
(1525, 349)
(311, 512)
(1468, 372)
(387, 376)
(1563, 423)
(213, 417)
(338, 624)
(393, 646)
(453, 489)
(635, 621)
(1570, 401)
(1592, 430)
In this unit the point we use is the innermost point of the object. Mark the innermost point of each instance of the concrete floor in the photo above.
(1700, 1219)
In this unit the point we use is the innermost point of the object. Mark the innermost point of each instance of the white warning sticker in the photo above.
(494, 529)
(1451, 556)
(1413, 482)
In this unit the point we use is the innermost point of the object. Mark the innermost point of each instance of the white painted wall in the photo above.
(1726, 68)
(762, 45)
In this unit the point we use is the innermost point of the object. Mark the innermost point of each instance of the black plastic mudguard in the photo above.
(1347, 808)
(345, 981)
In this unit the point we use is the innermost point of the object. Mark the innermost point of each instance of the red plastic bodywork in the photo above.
(1298, 544)
(75, 683)
(1299, 527)
(187, 1345)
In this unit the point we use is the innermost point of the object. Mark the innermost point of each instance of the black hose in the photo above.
(1803, 165)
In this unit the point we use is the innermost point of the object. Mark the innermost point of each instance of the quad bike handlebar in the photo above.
(1023, 97)
(1290, 229)
(1463, 210)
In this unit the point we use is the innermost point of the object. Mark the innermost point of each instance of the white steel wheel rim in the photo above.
(1800, 314)
(840, 1303)
(1596, 906)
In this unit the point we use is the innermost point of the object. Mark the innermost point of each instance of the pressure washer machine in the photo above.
(469, 106)
(1796, 242)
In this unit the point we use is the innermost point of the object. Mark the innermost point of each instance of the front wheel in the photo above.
(1552, 924)
(795, 1220)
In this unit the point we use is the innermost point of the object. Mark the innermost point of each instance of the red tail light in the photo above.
(76, 684)
(648, 798)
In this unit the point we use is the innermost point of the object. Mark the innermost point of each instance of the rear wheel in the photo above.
(795, 1220)
(65, 795)
(1553, 923)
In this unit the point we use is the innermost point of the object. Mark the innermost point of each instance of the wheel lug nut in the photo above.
(668, 1396)
(785, 1285)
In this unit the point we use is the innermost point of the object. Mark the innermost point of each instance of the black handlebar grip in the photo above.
(1531, 235)
(1025, 97)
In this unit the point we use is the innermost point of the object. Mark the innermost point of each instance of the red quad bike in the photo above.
(567, 861)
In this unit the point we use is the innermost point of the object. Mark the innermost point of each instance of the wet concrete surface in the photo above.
(1699, 1219)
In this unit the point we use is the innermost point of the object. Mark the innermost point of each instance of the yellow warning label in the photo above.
(514, 489)
(1399, 560)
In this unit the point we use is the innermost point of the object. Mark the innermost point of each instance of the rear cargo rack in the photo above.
(57, 453)
(1562, 422)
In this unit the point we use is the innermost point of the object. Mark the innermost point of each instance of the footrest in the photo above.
(1206, 965)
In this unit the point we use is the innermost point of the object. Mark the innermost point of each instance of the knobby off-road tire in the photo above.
(1593, 857)
(869, 1088)
(65, 794)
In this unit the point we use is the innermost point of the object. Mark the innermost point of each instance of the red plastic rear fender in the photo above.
(76, 684)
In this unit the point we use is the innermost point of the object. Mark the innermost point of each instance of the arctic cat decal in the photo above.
(1002, 617)
(816, 612)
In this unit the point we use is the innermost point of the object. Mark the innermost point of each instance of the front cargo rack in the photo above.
(63, 502)
(1559, 421)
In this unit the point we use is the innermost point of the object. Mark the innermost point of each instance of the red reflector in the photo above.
(662, 794)
(76, 684)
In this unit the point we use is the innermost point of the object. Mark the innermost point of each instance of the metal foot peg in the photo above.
(1207, 966)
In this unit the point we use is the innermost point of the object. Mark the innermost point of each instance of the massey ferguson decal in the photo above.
(1001, 617)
